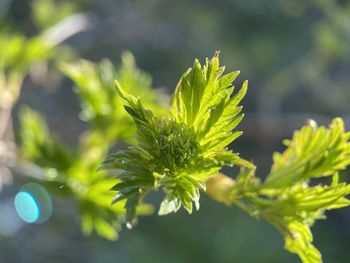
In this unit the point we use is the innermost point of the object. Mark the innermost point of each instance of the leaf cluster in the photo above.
(18, 52)
(297, 192)
(101, 106)
(180, 151)
(71, 171)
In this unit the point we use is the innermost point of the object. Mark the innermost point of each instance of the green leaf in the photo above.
(179, 152)
(313, 152)
(299, 241)
(289, 198)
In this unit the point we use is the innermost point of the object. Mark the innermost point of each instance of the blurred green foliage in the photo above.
(73, 170)
(49, 13)
(101, 106)
(19, 55)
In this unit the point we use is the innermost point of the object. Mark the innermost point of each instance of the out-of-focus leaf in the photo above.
(40, 146)
(101, 105)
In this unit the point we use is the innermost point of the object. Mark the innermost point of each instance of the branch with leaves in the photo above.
(71, 172)
(183, 151)
(22, 56)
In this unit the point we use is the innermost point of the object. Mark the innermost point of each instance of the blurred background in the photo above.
(296, 55)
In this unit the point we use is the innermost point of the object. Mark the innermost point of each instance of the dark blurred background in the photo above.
(296, 55)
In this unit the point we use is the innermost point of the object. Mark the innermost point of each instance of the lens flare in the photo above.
(26, 207)
(33, 203)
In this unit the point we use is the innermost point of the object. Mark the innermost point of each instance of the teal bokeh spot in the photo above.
(33, 203)
(27, 207)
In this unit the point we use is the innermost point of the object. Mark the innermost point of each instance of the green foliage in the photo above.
(295, 193)
(39, 145)
(289, 198)
(101, 105)
(313, 152)
(180, 151)
(203, 102)
(47, 13)
(18, 55)
(19, 52)
(73, 170)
